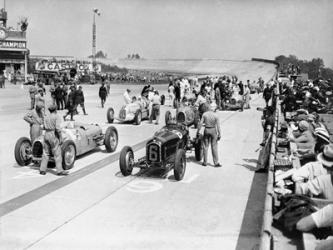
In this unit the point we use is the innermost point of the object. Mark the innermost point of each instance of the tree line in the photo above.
(315, 68)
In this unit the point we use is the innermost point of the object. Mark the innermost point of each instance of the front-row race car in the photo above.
(166, 150)
(78, 139)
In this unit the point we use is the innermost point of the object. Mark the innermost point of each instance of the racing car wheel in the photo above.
(111, 139)
(22, 151)
(180, 165)
(126, 160)
(110, 115)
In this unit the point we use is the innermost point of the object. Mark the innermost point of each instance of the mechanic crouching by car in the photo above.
(211, 134)
(156, 105)
(36, 119)
(52, 141)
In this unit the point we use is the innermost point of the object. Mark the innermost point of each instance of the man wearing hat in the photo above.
(322, 139)
(35, 118)
(304, 140)
(52, 141)
(40, 98)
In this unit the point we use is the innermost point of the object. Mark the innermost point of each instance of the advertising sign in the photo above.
(57, 66)
(12, 44)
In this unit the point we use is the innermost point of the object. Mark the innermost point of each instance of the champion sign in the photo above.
(13, 44)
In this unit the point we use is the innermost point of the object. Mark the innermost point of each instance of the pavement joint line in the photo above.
(37, 193)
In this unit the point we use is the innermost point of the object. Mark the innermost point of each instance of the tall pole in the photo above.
(94, 43)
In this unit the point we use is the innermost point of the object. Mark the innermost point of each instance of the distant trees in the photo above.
(315, 68)
(133, 56)
(99, 54)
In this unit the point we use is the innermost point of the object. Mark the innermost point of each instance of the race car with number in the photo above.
(166, 150)
(78, 139)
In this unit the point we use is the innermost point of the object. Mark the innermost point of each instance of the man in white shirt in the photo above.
(127, 97)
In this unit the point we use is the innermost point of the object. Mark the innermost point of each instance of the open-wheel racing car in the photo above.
(166, 150)
(187, 114)
(78, 139)
(132, 112)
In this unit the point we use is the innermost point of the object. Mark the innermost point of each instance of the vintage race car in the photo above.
(166, 150)
(78, 139)
(132, 112)
(187, 114)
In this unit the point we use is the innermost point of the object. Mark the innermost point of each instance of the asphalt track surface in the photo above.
(95, 207)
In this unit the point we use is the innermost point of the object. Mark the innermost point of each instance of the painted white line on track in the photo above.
(26, 175)
(140, 186)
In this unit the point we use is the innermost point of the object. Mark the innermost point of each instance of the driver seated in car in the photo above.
(133, 106)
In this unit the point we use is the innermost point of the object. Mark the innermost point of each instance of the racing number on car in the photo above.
(153, 152)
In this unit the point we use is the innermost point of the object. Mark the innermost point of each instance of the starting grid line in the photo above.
(37, 193)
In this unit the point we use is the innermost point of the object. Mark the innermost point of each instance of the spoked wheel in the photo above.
(68, 154)
(23, 155)
(110, 115)
(126, 160)
(111, 139)
(180, 165)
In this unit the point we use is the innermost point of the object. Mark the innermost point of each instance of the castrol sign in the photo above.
(57, 66)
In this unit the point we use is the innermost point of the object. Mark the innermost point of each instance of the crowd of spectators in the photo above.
(309, 142)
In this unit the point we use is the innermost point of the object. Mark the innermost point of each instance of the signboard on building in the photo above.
(58, 66)
(12, 44)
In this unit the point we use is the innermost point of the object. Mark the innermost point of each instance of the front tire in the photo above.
(110, 115)
(22, 151)
(138, 117)
(111, 139)
(180, 165)
(68, 153)
(126, 160)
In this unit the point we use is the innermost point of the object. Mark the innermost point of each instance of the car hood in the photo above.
(165, 135)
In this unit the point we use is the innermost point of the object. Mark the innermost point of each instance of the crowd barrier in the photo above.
(266, 236)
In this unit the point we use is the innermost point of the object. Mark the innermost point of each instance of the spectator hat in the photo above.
(303, 125)
(128, 90)
(326, 157)
(52, 108)
(322, 133)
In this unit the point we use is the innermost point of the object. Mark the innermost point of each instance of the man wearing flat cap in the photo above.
(35, 118)
(52, 141)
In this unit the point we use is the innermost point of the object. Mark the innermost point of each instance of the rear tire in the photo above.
(111, 139)
(68, 153)
(126, 160)
(22, 155)
(162, 99)
(110, 115)
(138, 117)
(180, 165)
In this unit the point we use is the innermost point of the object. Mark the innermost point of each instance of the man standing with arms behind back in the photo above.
(211, 135)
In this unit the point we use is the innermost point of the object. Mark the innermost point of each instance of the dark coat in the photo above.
(79, 97)
(103, 92)
(71, 99)
(58, 93)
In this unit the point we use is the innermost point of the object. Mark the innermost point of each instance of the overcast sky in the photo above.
(225, 29)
